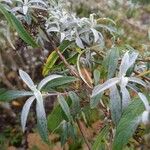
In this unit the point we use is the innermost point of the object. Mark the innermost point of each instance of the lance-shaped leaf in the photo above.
(64, 107)
(106, 85)
(132, 58)
(18, 26)
(53, 57)
(8, 95)
(59, 81)
(25, 111)
(26, 78)
(128, 123)
(124, 66)
(100, 138)
(115, 104)
(46, 80)
(112, 60)
(75, 106)
(95, 100)
(125, 97)
(41, 116)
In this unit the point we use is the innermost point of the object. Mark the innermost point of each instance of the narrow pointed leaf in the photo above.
(112, 62)
(128, 123)
(124, 66)
(47, 79)
(75, 106)
(132, 58)
(106, 85)
(53, 57)
(18, 26)
(115, 104)
(60, 81)
(41, 117)
(26, 78)
(64, 107)
(25, 111)
(95, 100)
(125, 97)
(8, 95)
(100, 138)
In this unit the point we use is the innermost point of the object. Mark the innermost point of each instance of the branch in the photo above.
(83, 134)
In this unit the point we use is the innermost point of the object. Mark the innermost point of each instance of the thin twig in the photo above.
(83, 134)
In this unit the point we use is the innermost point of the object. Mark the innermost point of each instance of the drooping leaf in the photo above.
(53, 57)
(65, 107)
(8, 95)
(115, 104)
(100, 138)
(19, 27)
(41, 117)
(128, 123)
(25, 111)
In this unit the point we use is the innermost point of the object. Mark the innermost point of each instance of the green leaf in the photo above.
(94, 101)
(59, 81)
(96, 76)
(64, 107)
(112, 61)
(8, 95)
(18, 26)
(115, 104)
(43, 134)
(53, 57)
(75, 107)
(100, 138)
(55, 118)
(128, 124)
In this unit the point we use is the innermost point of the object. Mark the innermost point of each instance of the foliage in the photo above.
(79, 71)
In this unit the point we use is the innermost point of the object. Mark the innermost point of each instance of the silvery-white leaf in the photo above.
(41, 115)
(96, 34)
(125, 97)
(124, 65)
(144, 100)
(47, 79)
(115, 104)
(26, 78)
(79, 42)
(25, 111)
(106, 85)
(25, 9)
(137, 80)
(145, 117)
(132, 58)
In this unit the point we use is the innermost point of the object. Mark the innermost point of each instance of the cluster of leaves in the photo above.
(83, 41)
